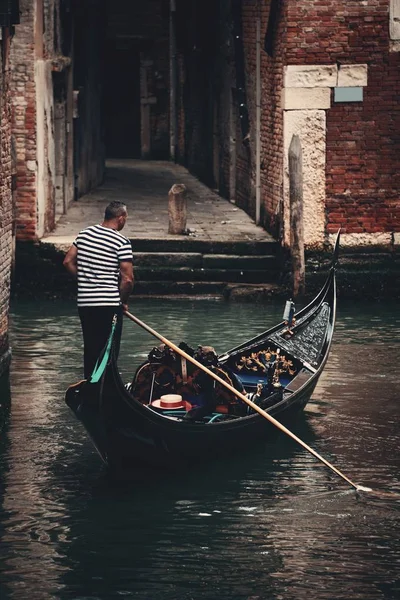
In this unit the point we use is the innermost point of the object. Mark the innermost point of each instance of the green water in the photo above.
(268, 524)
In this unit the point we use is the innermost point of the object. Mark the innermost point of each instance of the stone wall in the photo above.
(6, 209)
(42, 129)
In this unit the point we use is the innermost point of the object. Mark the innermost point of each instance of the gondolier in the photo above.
(100, 259)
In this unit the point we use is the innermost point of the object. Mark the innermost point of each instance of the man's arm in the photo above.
(126, 282)
(70, 261)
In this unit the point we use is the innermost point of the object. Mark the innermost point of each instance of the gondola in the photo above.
(174, 413)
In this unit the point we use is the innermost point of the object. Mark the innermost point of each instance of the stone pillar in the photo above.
(177, 209)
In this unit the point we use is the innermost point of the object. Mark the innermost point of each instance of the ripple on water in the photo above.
(270, 523)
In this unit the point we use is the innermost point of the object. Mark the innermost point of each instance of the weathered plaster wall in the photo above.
(36, 54)
(45, 157)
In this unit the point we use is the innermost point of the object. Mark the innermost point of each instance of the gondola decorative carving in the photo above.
(259, 362)
(309, 335)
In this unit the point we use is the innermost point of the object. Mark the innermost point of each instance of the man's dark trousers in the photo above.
(96, 324)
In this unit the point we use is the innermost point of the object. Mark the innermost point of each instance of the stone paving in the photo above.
(144, 187)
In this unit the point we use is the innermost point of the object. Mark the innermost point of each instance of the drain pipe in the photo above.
(172, 81)
(258, 118)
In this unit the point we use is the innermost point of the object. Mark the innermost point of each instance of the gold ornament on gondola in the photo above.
(257, 362)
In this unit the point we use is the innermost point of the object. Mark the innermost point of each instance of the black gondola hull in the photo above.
(126, 438)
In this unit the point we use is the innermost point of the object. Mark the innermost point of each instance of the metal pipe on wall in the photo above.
(258, 120)
(172, 81)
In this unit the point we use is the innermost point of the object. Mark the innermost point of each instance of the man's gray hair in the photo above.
(114, 209)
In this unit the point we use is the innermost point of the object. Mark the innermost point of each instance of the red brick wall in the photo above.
(217, 84)
(5, 194)
(363, 142)
(271, 178)
(272, 127)
(24, 122)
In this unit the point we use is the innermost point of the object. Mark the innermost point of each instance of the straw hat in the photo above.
(169, 402)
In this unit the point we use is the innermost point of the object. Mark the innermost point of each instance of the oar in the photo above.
(244, 398)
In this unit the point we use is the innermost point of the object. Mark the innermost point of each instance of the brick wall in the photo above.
(24, 122)
(228, 79)
(271, 114)
(351, 149)
(362, 139)
(6, 218)
(36, 58)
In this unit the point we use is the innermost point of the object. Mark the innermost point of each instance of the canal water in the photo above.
(267, 523)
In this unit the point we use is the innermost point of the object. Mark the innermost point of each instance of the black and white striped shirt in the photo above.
(100, 251)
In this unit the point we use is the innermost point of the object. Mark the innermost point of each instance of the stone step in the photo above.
(207, 261)
(208, 289)
(179, 288)
(202, 274)
(373, 262)
(191, 244)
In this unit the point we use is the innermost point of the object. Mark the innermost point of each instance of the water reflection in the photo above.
(270, 522)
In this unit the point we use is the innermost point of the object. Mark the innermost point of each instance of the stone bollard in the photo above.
(177, 209)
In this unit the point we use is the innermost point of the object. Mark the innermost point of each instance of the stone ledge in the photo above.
(254, 293)
(294, 98)
(364, 240)
(326, 76)
(310, 76)
(352, 76)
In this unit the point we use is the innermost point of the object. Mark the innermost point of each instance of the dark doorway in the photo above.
(122, 99)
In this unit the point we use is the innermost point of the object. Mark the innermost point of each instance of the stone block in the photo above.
(310, 126)
(310, 76)
(306, 98)
(352, 76)
(358, 240)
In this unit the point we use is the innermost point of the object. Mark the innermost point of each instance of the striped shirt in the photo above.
(100, 252)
